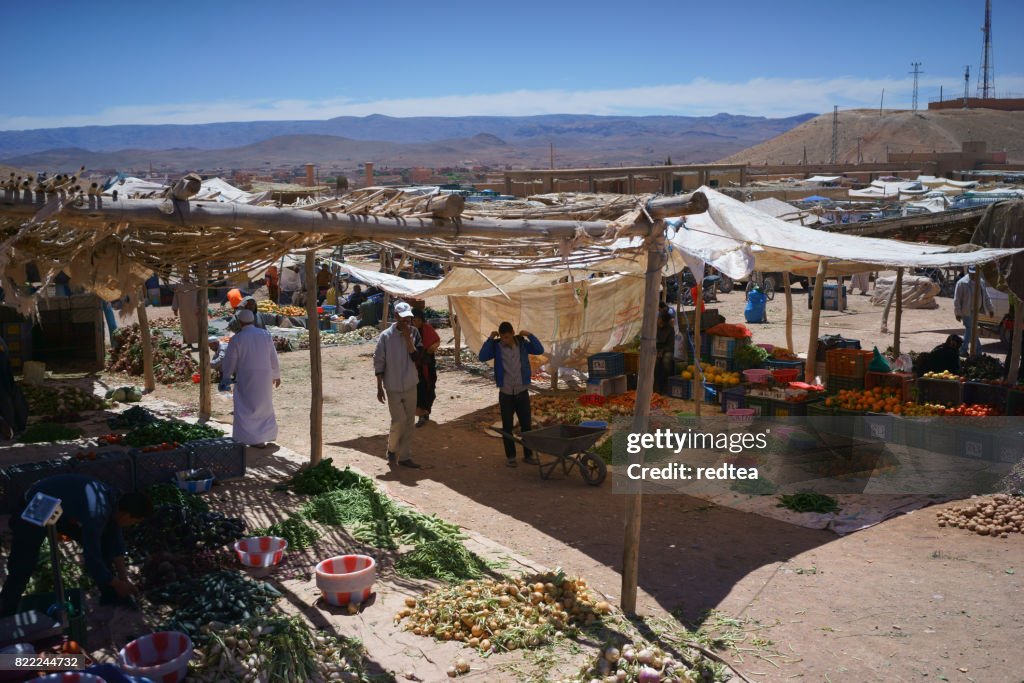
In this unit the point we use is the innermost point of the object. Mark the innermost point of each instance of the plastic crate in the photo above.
(881, 426)
(727, 364)
(115, 467)
(41, 602)
(17, 479)
(915, 430)
(835, 341)
(900, 381)
(771, 364)
(847, 362)
(734, 398)
(945, 392)
(834, 385)
(680, 388)
(725, 347)
(1015, 402)
(607, 386)
(1009, 449)
(607, 364)
(976, 444)
(790, 408)
(713, 393)
(710, 318)
(159, 467)
(223, 456)
(760, 405)
(941, 437)
(631, 362)
(985, 394)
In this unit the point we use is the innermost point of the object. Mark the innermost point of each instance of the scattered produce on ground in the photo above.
(276, 648)
(161, 569)
(320, 478)
(643, 663)
(809, 501)
(445, 559)
(180, 529)
(166, 323)
(172, 362)
(996, 515)
(57, 400)
(46, 432)
(299, 534)
(169, 432)
(363, 335)
(227, 597)
(507, 614)
(169, 494)
(125, 394)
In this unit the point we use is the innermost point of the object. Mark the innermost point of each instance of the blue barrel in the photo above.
(755, 310)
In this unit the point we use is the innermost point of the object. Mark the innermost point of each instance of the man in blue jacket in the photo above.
(511, 355)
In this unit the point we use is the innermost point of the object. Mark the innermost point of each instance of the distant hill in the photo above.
(417, 141)
(899, 131)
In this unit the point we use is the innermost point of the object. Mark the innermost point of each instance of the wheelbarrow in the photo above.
(571, 446)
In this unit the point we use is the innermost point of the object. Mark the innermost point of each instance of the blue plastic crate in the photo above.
(723, 363)
(734, 399)
(680, 388)
(223, 456)
(608, 364)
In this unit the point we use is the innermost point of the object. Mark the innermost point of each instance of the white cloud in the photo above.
(772, 97)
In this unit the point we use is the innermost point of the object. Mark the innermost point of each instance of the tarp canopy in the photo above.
(882, 189)
(213, 189)
(731, 236)
(823, 179)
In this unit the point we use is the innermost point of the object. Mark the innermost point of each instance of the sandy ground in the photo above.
(901, 601)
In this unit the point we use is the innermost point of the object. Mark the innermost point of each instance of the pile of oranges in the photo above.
(877, 400)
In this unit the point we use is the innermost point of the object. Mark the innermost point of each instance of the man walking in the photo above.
(963, 304)
(252, 359)
(511, 355)
(394, 363)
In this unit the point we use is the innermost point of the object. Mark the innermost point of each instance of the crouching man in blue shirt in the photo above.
(93, 515)
(511, 355)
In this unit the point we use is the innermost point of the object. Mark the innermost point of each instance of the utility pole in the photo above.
(552, 155)
(987, 87)
(967, 83)
(917, 71)
(860, 157)
(881, 105)
(804, 161)
(835, 134)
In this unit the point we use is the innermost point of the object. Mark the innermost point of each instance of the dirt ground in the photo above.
(900, 601)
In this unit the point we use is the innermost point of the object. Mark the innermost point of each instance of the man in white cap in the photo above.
(394, 362)
(963, 304)
(252, 359)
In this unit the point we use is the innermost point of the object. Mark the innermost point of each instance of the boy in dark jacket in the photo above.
(511, 355)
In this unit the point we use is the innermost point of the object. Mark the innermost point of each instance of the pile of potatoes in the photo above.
(998, 515)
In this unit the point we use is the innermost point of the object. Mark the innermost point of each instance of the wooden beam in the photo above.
(148, 377)
(789, 310)
(316, 406)
(1015, 344)
(454, 320)
(205, 399)
(888, 305)
(641, 417)
(812, 342)
(899, 311)
(187, 215)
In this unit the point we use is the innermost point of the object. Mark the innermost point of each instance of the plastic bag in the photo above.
(904, 363)
(879, 363)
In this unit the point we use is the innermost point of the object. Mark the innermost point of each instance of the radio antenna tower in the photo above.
(967, 83)
(835, 134)
(917, 71)
(987, 84)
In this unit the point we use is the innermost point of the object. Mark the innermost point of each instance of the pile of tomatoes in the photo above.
(973, 410)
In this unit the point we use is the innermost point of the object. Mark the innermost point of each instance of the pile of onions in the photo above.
(649, 664)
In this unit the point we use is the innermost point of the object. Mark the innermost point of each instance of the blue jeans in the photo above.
(965, 348)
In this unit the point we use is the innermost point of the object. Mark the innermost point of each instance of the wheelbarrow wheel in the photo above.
(593, 469)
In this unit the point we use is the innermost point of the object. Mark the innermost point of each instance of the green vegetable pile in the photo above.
(170, 431)
(749, 356)
(44, 400)
(169, 494)
(177, 529)
(446, 559)
(172, 362)
(133, 418)
(47, 432)
(984, 368)
(295, 530)
(227, 597)
(277, 648)
(321, 478)
(808, 501)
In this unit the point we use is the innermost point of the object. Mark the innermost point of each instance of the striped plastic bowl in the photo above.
(260, 551)
(69, 677)
(346, 579)
(162, 656)
(192, 485)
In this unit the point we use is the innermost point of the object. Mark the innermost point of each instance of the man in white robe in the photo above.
(252, 359)
(186, 305)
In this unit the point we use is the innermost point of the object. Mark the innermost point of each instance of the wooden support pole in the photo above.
(899, 311)
(205, 399)
(975, 305)
(698, 374)
(149, 379)
(1015, 343)
(641, 415)
(789, 310)
(888, 305)
(812, 343)
(454, 320)
(383, 323)
(316, 407)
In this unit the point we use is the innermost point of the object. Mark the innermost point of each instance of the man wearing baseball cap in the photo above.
(394, 362)
(963, 304)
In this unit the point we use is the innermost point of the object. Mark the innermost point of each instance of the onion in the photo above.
(645, 656)
(461, 665)
(629, 654)
(649, 675)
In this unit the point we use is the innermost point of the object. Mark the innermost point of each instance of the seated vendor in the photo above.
(945, 356)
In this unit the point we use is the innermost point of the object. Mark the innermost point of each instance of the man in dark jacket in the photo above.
(511, 355)
(93, 515)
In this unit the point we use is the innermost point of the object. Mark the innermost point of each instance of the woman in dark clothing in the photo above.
(664, 366)
(426, 389)
(945, 356)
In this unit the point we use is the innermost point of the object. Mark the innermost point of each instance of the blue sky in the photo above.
(77, 63)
